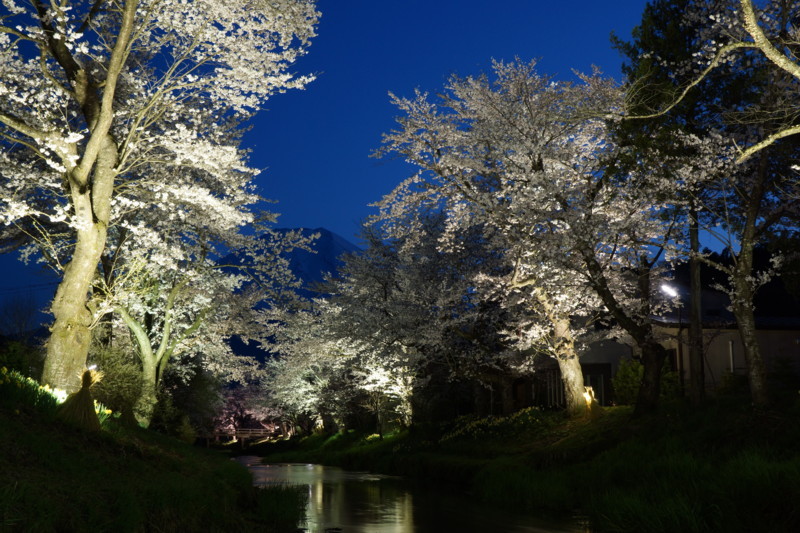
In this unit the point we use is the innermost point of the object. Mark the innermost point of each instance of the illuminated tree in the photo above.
(110, 102)
(192, 307)
(389, 383)
(525, 157)
(496, 280)
(245, 407)
(308, 378)
(396, 313)
(406, 295)
(422, 309)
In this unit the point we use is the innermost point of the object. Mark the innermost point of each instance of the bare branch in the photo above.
(763, 43)
(748, 152)
(720, 55)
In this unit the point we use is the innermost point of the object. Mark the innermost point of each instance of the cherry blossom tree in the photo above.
(169, 276)
(244, 407)
(525, 156)
(110, 102)
(503, 282)
(404, 295)
(338, 355)
(397, 313)
(389, 387)
(420, 308)
(191, 309)
(308, 377)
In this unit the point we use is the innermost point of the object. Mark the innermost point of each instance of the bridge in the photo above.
(240, 434)
(245, 433)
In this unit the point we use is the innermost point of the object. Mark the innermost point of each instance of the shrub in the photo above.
(628, 379)
(122, 378)
(515, 424)
(185, 431)
(18, 391)
(19, 356)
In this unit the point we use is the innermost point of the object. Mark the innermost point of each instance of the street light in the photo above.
(672, 292)
(669, 290)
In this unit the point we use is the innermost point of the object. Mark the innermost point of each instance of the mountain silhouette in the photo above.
(311, 267)
(328, 248)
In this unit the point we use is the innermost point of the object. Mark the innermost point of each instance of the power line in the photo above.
(29, 288)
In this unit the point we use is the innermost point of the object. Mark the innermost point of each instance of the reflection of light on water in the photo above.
(353, 501)
(359, 502)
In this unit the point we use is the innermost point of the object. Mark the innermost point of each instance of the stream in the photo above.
(360, 502)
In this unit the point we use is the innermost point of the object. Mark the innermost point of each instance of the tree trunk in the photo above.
(329, 425)
(70, 335)
(90, 186)
(146, 404)
(743, 293)
(572, 376)
(570, 367)
(378, 407)
(564, 352)
(407, 405)
(640, 328)
(756, 369)
(653, 356)
(696, 358)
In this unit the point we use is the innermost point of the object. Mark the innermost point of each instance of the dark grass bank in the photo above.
(55, 477)
(725, 467)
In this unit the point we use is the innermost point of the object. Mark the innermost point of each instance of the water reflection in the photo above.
(360, 502)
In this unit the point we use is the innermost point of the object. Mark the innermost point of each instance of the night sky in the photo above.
(314, 145)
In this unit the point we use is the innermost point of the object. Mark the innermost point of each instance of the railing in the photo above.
(244, 433)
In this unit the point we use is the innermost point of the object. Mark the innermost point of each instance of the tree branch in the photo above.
(763, 43)
(749, 152)
(721, 53)
(90, 16)
(20, 126)
(119, 55)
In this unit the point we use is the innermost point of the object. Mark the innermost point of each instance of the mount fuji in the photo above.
(328, 249)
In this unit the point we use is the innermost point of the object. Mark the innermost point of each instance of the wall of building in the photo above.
(724, 352)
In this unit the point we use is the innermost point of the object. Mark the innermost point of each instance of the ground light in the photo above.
(588, 395)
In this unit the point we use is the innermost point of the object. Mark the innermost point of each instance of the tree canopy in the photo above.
(115, 110)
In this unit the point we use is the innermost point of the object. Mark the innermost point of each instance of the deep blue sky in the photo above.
(314, 145)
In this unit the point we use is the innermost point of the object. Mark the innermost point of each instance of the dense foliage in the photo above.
(543, 215)
(540, 215)
(120, 125)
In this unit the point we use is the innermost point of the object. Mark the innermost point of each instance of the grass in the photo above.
(724, 467)
(56, 477)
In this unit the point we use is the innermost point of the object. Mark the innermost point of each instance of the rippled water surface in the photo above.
(360, 502)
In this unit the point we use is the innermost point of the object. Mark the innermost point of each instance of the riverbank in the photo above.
(56, 477)
(724, 467)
